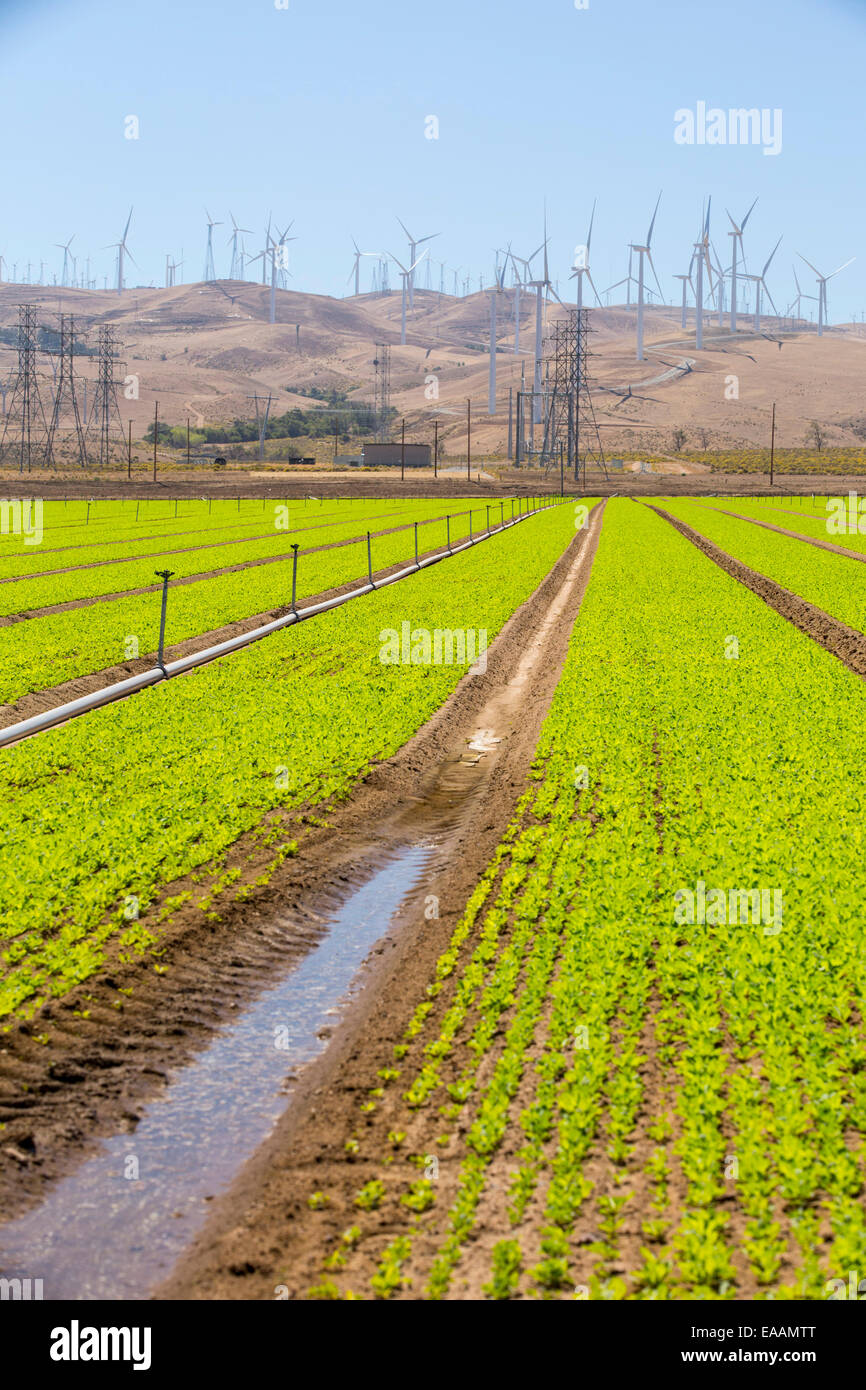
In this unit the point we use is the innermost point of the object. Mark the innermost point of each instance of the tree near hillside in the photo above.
(679, 439)
(816, 435)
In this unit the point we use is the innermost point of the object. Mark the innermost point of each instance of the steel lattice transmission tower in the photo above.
(26, 415)
(588, 447)
(571, 431)
(106, 408)
(65, 395)
(382, 390)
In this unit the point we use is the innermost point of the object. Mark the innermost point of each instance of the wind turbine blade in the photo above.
(128, 220)
(431, 237)
(594, 290)
(396, 262)
(589, 233)
(748, 215)
(811, 266)
(843, 267)
(649, 239)
(769, 296)
(772, 254)
(650, 259)
(406, 230)
(737, 229)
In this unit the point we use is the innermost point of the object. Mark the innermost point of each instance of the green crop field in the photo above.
(633, 1068)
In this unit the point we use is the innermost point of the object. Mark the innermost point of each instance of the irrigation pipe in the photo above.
(61, 714)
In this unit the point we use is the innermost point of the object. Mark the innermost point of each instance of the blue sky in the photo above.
(317, 112)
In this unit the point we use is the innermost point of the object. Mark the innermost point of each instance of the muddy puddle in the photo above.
(115, 1227)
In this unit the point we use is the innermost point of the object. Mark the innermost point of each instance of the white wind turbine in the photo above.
(494, 293)
(643, 251)
(799, 297)
(406, 274)
(414, 259)
(687, 280)
(520, 284)
(122, 250)
(580, 270)
(64, 276)
(760, 284)
(737, 237)
(701, 255)
(823, 281)
(542, 287)
(209, 267)
(237, 267)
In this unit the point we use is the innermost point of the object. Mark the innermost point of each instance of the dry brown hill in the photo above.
(204, 350)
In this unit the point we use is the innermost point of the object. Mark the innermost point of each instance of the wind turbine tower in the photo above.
(737, 237)
(414, 258)
(580, 270)
(822, 289)
(643, 251)
(237, 267)
(209, 268)
(122, 250)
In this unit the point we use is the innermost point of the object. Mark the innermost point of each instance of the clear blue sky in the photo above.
(317, 112)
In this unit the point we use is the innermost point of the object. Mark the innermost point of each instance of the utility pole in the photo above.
(510, 423)
(773, 445)
(187, 441)
(469, 438)
(519, 430)
(129, 452)
(435, 448)
(155, 434)
(402, 449)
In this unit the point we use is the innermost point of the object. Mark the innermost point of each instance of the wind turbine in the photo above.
(641, 252)
(356, 268)
(823, 281)
(237, 266)
(414, 258)
(122, 250)
(799, 297)
(760, 284)
(276, 250)
(209, 268)
(701, 254)
(66, 258)
(581, 270)
(687, 280)
(737, 236)
(525, 283)
(494, 295)
(541, 287)
(407, 283)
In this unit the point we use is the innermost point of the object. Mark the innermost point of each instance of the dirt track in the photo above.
(262, 1232)
(101, 1068)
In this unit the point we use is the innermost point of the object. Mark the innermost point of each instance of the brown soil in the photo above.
(842, 641)
(109, 1050)
(262, 1232)
(508, 481)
